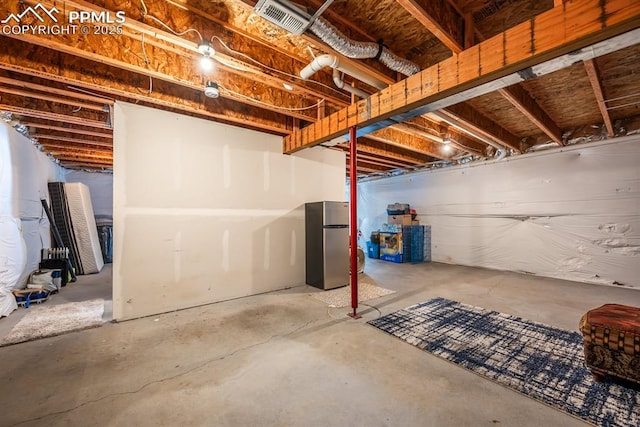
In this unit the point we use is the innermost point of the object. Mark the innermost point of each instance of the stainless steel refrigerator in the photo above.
(327, 244)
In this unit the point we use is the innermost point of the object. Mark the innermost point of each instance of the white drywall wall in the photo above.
(570, 213)
(101, 189)
(205, 212)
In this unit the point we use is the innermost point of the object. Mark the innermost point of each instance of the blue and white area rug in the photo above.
(540, 361)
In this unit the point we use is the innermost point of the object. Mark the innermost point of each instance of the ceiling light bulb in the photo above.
(205, 48)
(447, 148)
(206, 63)
(287, 86)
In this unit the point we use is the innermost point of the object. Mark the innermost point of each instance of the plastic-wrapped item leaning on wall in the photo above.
(13, 257)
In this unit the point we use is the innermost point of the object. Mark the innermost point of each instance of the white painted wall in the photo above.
(205, 212)
(570, 213)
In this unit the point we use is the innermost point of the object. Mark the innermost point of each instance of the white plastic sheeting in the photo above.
(13, 258)
(570, 213)
(205, 212)
(12, 248)
(24, 173)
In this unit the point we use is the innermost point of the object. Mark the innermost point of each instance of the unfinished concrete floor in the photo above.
(88, 286)
(286, 359)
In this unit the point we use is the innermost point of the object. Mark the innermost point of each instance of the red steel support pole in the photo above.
(353, 185)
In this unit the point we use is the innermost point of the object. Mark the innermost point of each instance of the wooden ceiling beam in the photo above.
(82, 162)
(35, 61)
(489, 65)
(51, 106)
(407, 138)
(523, 102)
(594, 79)
(437, 132)
(385, 160)
(441, 19)
(49, 146)
(55, 91)
(191, 17)
(87, 166)
(391, 152)
(45, 125)
(104, 157)
(364, 155)
(41, 136)
(57, 99)
(469, 120)
(374, 162)
(367, 168)
(36, 113)
(168, 66)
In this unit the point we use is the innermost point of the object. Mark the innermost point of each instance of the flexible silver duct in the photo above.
(353, 49)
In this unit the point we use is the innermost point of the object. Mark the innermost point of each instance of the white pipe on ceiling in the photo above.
(333, 61)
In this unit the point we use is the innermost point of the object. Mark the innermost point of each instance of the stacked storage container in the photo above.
(427, 243)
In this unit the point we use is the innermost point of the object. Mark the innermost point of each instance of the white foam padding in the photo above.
(84, 226)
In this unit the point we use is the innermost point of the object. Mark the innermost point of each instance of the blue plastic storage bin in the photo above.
(373, 250)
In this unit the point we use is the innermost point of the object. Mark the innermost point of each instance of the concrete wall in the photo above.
(571, 213)
(205, 212)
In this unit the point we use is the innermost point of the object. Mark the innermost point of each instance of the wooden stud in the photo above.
(435, 25)
(521, 99)
(594, 79)
(471, 121)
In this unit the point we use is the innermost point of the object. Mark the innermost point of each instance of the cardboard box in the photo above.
(390, 244)
(392, 258)
(399, 219)
(415, 222)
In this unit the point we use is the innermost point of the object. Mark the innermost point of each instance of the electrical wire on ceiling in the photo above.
(89, 92)
(145, 14)
(231, 50)
(236, 67)
(144, 51)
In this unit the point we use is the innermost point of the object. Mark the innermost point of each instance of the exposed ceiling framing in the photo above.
(62, 87)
